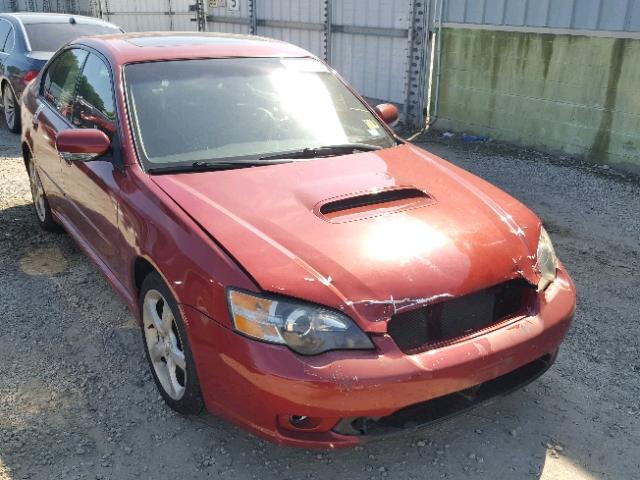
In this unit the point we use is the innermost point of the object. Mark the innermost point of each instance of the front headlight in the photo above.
(547, 261)
(306, 329)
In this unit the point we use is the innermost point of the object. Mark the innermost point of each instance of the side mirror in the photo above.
(388, 112)
(82, 145)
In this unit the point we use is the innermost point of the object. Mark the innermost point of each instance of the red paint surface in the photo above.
(83, 141)
(258, 229)
(388, 112)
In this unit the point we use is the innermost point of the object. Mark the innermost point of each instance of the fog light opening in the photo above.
(302, 422)
(297, 420)
(305, 424)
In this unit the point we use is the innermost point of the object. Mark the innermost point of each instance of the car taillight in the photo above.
(30, 75)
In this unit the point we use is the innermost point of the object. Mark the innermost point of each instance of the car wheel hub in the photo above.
(9, 107)
(164, 344)
(37, 192)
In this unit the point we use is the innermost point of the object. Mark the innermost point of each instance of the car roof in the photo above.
(150, 46)
(34, 17)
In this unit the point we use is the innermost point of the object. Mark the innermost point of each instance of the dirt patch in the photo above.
(43, 261)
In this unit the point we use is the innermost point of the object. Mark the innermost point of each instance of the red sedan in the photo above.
(294, 265)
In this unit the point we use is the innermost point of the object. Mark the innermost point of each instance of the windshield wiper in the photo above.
(212, 166)
(325, 151)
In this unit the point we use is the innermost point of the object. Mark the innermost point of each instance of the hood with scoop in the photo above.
(371, 234)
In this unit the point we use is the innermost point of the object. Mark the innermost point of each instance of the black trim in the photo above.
(372, 199)
(425, 414)
(452, 319)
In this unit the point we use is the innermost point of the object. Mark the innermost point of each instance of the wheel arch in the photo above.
(142, 267)
(26, 154)
(4, 82)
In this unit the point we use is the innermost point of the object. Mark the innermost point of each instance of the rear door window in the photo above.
(48, 37)
(61, 80)
(11, 40)
(93, 107)
(5, 28)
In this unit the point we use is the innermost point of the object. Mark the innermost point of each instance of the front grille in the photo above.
(417, 330)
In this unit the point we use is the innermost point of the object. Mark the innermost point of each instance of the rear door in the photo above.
(5, 30)
(53, 114)
(91, 187)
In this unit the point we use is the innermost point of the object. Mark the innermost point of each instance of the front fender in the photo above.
(194, 267)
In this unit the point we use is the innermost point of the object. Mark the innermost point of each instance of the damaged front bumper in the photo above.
(439, 409)
(340, 399)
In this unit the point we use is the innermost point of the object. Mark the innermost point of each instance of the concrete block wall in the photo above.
(575, 94)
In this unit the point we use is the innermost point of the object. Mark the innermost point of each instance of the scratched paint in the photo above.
(403, 304)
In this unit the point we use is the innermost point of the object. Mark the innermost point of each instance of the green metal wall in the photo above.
(576, 94)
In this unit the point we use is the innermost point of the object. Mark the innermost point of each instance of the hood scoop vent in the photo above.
(359, 206)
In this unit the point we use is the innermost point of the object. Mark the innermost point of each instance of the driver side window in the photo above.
(93, 106)
(61, 79)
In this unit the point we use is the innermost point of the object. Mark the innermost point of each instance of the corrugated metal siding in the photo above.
(309, 11)
(229, 28)
(223, 12)
(303, 11)
(364, 13)
(375, 65)
(83, 7)
(608, 15)
(311, 40)
(369, 42)
(149, 15)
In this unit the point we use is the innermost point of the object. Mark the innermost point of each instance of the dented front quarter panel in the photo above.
(470, 236)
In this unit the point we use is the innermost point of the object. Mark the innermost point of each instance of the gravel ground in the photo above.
(77, 401)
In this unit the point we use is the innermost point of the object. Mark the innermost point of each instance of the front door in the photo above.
(91, 187)
(53, 115)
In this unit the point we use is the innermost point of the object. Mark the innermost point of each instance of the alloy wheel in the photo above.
(9, 107)
(37, 192)
(164, 344)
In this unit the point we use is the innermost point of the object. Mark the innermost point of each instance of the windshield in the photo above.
(242, 109)
(48, 37)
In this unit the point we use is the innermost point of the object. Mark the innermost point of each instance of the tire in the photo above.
(40, 202)
(11, 109)
(167, 347)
